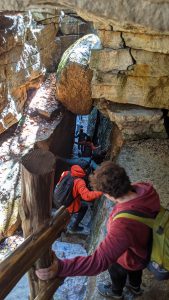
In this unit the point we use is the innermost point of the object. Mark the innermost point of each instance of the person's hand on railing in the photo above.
(48, 273)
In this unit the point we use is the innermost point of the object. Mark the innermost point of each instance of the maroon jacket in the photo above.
(126, 241)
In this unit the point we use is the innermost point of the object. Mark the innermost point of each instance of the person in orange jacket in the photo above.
(80, 192)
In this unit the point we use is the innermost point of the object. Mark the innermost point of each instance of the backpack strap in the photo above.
(74, 177)
(162, 219)
(134, 215)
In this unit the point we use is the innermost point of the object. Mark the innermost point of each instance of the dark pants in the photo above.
(80, 215)
(119, 276)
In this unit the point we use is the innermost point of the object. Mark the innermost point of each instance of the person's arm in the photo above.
(84, 192)
(95, 147)
(110, 249)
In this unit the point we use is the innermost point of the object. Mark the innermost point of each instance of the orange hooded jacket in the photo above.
(80, 191)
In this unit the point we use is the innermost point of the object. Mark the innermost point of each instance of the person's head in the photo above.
(88, 138)
(77, 171)
(111, 179)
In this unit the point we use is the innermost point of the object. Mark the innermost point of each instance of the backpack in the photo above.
(63, 192)
(159, 258)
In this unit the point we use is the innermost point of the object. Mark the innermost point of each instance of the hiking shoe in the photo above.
(77, 229)
(106, 291)
(134, 290)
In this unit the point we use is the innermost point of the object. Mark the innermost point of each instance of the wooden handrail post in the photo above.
(37, 177)
(24, 256)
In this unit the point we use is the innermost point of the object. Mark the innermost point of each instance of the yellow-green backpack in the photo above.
(159, 259)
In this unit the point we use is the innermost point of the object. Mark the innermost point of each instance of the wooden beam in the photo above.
(38, 168)
(47, 293)
(21, 260)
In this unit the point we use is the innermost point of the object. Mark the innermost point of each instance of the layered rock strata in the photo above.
(134, 122)
(130, 70)
(126, 14)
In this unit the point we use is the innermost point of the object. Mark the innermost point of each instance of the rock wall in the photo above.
(45, 124)
(143, 160)
(31, 44)
(27, 50)
(131, 68)
(130, 86)
(100, 129)
(130, 83)
(127, 14)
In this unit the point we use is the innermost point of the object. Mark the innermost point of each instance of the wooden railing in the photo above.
(22, 259)
(40, 230)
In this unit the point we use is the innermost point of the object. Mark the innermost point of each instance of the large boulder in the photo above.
(74, 75)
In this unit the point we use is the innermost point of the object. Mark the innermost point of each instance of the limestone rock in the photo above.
(46, 17)
(107, 60)
(136, 122)
(146, 160)
(100, 129)
(151, 42)
(101, 26)
(149, 64)
(33, 131)
(3, 100)
(131, 75)
(110, 39)
(27, 50)
(2, 128)
(66, 41)
(73, 26)
(144, 91)
(74, 76)
(127, 14)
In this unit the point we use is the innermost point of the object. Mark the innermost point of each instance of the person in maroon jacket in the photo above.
(124, 251)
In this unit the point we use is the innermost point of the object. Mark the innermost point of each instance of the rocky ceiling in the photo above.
(145, 16)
